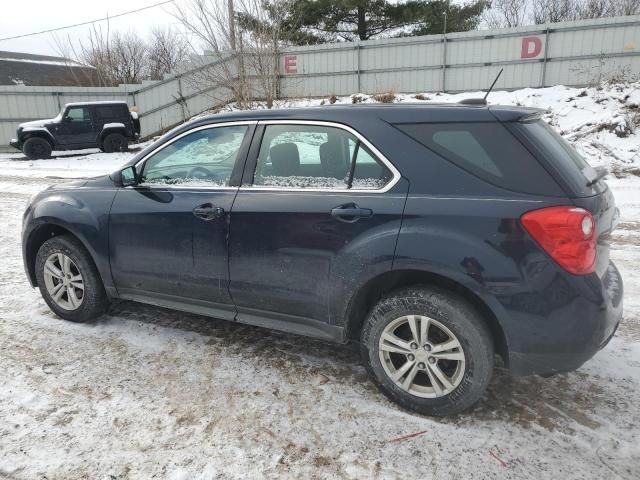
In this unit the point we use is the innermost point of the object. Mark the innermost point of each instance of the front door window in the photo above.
(201, 158)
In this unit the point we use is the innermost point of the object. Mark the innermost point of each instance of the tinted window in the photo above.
(204, 157)
(557, 150)
(109, 111)
(315, 156)
(487, 150)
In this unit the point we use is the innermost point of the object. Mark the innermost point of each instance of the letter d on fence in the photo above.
(531, 47)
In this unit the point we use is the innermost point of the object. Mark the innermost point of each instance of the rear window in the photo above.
(556, 149)
(109, 111)
(487, 150)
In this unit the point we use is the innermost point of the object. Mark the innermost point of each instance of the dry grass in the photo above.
(385, 97)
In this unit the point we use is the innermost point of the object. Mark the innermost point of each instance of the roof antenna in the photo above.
(483, 100)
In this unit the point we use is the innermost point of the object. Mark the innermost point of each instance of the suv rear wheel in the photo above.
(428, 350)
(68, 279)
(37, 148)
(115, 142)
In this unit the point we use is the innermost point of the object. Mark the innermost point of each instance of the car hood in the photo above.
(38, 123)
(68, 185)
(95, 182)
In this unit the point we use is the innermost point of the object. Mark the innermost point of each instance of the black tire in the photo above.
(115, 142)
(94, 301)
(37, 148)
(450, 311)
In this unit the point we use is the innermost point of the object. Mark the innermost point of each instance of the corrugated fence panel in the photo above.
(571, 53)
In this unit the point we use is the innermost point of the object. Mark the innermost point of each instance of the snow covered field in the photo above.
(150, 393)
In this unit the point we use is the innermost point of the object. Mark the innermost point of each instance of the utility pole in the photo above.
(232, 25)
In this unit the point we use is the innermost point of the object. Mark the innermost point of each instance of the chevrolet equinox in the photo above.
(436, 237)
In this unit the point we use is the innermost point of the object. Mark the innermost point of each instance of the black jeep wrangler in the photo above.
(108, 126)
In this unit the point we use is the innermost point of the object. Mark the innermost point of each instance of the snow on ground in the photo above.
(145, 392)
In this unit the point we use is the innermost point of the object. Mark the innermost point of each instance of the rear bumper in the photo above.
(567, 338)
(15, 144)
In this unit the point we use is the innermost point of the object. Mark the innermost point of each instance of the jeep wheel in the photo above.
(68, 279)
(37, 148)
(115, 142)
(428, 350)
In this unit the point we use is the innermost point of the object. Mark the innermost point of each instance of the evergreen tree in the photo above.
(303, 22)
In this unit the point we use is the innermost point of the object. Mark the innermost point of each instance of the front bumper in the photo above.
(567, 338)
(15, 144)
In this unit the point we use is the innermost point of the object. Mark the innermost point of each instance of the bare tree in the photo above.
(550, 11)
(627, 7)
(129, 58)
(596, 8)
(242, 64)
(506, 13)
(209, 25)
(116, 57)
(166, 50)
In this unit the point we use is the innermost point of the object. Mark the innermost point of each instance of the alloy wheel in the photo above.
(63, 281)
(422, 356)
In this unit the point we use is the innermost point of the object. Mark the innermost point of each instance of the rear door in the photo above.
(168, 235)
(309, 224)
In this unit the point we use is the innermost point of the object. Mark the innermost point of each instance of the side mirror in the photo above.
(128, 176)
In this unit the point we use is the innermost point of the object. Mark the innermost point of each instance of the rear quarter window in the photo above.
(488, 151)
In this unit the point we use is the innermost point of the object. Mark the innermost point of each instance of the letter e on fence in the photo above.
(291, 64)
(531, 47)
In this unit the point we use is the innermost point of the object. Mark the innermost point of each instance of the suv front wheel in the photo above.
(36, 148)
(68, 279)
(428, 350)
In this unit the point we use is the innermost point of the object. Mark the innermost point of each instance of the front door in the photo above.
(168, 235)
(76, 127)
(321, 213)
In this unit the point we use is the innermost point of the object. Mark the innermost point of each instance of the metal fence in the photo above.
(570, 53)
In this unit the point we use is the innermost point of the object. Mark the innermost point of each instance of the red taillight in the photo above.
(567, 234)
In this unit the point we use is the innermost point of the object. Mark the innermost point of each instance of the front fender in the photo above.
(29, 132)
(84, 215)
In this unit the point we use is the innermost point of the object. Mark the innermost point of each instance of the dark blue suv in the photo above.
(438, 237)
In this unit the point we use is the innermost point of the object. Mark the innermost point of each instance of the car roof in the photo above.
(393, 113)
(105, 102)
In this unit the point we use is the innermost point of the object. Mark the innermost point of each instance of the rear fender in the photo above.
(111, 128)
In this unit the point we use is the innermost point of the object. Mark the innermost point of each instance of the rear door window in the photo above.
(487, 150)
(317, 157)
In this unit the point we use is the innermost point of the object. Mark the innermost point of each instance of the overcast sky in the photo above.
(25, 16)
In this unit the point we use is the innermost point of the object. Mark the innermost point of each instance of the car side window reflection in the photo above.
(316, 157)
(201, 158)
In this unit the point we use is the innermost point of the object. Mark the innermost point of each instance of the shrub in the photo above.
(386, 97)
